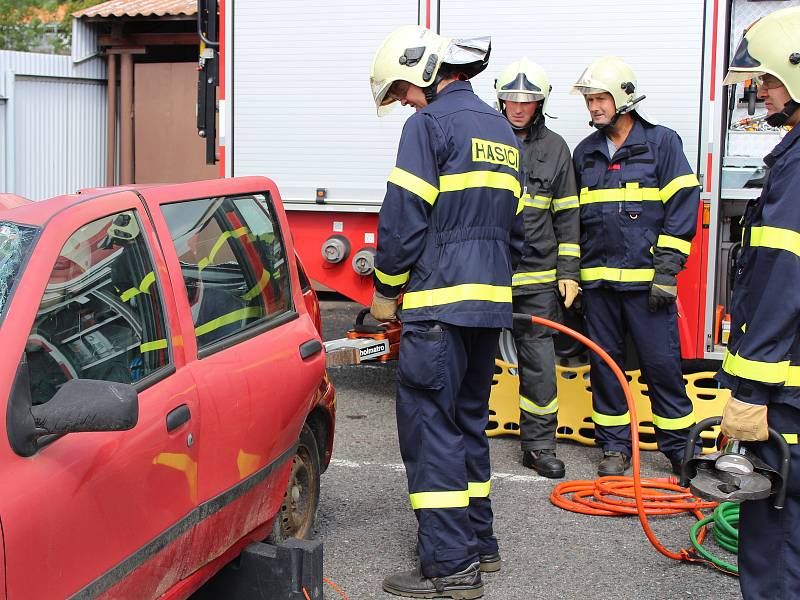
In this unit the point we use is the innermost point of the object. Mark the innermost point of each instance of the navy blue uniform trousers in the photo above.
(609, 315)
(769, 539)
(444, 380)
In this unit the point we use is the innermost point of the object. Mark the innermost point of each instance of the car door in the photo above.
(255, 383)
(100, 514)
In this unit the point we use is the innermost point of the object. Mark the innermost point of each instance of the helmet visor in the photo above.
(743, 65)
(517, 96)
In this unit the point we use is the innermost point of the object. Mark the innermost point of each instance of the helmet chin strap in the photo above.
(779, 119)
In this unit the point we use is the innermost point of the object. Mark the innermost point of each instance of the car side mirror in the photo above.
(79, 405)
(88, 405)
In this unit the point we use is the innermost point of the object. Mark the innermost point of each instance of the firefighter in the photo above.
(638, 208)
(548, 271)
(449, 236)
(762, 362)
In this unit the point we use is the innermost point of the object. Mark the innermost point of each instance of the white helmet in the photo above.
(613, 75)
(415, 54)
(523, 81)
(771, 45)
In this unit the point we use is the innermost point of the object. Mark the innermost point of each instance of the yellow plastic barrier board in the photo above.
(575, 404)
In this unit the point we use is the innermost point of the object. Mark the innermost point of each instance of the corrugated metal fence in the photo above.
(52, 124)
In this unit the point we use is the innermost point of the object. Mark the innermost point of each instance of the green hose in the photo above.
(725, 518)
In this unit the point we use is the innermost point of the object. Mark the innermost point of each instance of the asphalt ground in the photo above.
(368, 528)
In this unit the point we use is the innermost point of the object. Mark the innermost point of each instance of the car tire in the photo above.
(295, 519)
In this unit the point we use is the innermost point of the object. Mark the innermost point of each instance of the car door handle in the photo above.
(177, 417)
(310, 348)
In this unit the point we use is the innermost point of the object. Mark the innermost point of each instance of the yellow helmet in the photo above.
(771, 45)
(523, 81)
(415, 54)
(613, 75)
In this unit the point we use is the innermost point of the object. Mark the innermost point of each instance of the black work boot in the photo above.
(464, 585)
(544, 462)
(490, 563)
(613, 463)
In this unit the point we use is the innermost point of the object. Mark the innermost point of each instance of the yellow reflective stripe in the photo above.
(480, 179)
(668, 241)
(569, 250)
(521, 203)
(457, 293)
(458, 499)
(154, 345)
(630, 193)
(776, 237)
(538, 202)
(415, 185)
(231, 317)
(129, 293)
(392, 279)
(673, 424)
(237, 233)
(765, 372)
(565, 203)
(611, 420)
(677, 184)
(479, 489)
(143, 288)
(791, 438)
(613, 274)
(148, 280)
(533, 277)
(257, 288)
(530, 407)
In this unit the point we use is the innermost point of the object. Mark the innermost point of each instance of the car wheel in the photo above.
(296, 515)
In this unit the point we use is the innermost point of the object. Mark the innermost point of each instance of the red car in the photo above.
(164, 386)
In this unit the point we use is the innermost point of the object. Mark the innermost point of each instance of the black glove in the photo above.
(663, 291)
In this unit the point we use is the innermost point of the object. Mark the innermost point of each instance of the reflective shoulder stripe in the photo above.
(677, 184)
(530, 407)
(227, 319)
(479, 489)
(777, 238)
(415, 185)
(458, 499)
(154, 345)
(457, 293)
(611, 420)
(392, 279)
(569, 250)
(668, 241)
(630, 193)
(673, 424)
(533, 277)
(565, 203)
(791, 438)
(478, 179)
(620, 275)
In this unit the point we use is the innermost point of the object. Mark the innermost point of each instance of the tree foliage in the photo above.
(38, 25)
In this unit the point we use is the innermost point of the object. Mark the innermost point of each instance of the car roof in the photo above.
(21, 210)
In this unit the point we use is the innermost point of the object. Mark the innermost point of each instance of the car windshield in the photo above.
(16, 242)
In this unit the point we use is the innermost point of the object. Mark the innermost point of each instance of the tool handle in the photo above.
(691, 443)
(780, 495)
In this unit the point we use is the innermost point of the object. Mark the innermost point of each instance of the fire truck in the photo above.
(283, 91)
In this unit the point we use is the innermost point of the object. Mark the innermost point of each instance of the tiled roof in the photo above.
(140, 8)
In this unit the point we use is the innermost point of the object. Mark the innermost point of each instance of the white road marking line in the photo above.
(398, 467)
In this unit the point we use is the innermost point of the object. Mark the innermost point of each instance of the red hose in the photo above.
(606, 496)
